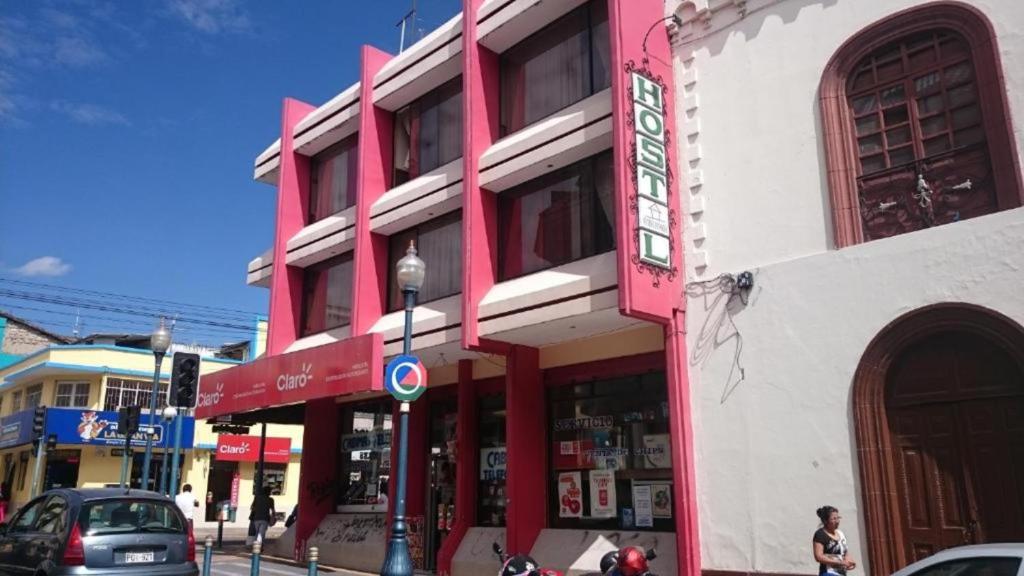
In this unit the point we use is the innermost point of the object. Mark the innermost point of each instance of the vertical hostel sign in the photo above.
(654, 240)
(647, 199)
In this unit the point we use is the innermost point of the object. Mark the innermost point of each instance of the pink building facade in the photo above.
(529, 151)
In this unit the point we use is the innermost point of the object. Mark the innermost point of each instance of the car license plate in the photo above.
(137, 557)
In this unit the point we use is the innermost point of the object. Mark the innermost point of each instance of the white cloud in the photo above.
(211, 16)
(44, 266)
(89, 114)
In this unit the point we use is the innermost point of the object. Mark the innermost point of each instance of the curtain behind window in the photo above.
(558, 218)
(556, 67)
(333, 181)
(327, 297)
(439, 244)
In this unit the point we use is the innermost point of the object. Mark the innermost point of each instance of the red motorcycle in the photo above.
(521, 565)
(627, 561)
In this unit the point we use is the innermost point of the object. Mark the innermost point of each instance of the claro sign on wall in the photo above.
(232, 448)
(345, 367)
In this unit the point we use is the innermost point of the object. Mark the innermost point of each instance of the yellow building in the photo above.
(83, 385)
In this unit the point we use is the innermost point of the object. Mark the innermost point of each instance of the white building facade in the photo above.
(861, 159)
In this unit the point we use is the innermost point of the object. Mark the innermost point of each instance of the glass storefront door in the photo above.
(491, 492)
(62, 469)
(441, 489)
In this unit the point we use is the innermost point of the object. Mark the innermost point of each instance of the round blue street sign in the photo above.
(405, 378)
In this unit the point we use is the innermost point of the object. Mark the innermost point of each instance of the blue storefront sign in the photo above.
(16, 429)
(99, 428)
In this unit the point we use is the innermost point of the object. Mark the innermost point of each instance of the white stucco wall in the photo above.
(762, 158)
(780, 443)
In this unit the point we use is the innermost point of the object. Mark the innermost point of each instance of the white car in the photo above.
(979, 560)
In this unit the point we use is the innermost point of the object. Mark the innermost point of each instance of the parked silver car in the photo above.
(978, 560)
(98, 532)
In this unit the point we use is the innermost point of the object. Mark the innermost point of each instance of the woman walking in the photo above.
(830, 549)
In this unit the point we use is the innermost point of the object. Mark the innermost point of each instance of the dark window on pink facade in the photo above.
(439, 242)
(560, 217)
(428, 132)
(333, 180)
(558, 66)
(327, 295)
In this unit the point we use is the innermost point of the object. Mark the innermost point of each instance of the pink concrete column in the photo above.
(292, 201)
(525, 427)
(684, 476)
(479, 206)
(466, 467)
(317, 469)
(369, 301)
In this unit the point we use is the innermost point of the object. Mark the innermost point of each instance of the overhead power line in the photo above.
(125, 309)
(154, 301)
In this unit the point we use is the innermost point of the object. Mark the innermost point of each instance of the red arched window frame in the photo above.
(840, 141)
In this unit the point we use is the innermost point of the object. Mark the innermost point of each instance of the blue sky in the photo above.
(128, 132)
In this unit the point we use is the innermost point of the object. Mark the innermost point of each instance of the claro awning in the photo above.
(350, 366)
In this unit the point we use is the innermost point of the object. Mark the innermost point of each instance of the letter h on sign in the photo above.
(651, 172)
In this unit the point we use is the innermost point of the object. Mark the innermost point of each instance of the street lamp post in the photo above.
(397, 562)
(169, 413)
(159, 343)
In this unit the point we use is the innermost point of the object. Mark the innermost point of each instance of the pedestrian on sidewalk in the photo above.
(830, 548)
(262, 511)
(187, 502)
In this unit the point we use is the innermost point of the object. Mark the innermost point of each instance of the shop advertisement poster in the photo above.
(492, 463)
(602, 494)
(657, 451)
(661, 499)
(570, 495)
(572, 454)
(643, 506)
(415, 538)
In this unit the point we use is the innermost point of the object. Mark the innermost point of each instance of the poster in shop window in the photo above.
(661, 500)
(602, 494)
(657, 451)
(570, 495)
(643, 506)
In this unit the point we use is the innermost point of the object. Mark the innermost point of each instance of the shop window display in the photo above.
(274, 476)
(610, 455)
(491, 493)
(365, 463)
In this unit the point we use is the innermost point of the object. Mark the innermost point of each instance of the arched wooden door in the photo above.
(955, 412)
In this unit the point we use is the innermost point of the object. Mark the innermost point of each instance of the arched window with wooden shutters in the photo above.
(917, 131)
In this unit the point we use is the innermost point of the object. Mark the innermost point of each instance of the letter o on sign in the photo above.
(405, 378)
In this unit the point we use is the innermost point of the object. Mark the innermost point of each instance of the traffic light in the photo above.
(51, 442)
(38, 423)
(128, 420)
(184, 380)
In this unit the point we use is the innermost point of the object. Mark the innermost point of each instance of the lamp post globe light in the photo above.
(169, 413)
(410, 272)
(159, 342)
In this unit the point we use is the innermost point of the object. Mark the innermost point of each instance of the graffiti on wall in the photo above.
(350, 529)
